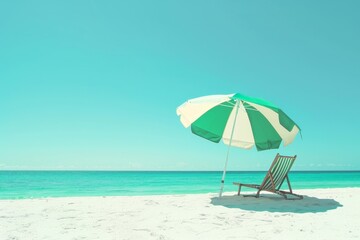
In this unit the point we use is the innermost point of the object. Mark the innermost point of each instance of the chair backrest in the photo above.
(277, 173)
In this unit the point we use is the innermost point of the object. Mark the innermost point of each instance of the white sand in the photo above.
(322, 214)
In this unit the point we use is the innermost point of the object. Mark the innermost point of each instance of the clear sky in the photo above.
(95, 84)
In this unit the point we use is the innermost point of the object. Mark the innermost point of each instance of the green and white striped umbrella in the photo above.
(238, 120)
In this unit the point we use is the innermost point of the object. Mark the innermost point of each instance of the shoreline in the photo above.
(246, 191)
(330, 213)
(64, 184)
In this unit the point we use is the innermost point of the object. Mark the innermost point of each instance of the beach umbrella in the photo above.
(239, 121)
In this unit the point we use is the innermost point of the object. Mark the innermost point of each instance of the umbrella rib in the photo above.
(232, 105)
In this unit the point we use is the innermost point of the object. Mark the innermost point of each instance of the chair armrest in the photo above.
(247, 185)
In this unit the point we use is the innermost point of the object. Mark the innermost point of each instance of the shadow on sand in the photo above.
(273, 203)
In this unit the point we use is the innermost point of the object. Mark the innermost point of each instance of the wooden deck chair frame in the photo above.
(274, 178)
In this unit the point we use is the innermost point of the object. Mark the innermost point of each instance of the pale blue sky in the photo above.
(95, 84)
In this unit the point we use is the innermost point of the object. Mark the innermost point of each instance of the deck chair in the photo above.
(274, 178)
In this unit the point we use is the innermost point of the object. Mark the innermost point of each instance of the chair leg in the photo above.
(284, 194)
(281, 194)
(288, 182)
(239, 190)
(298, 196)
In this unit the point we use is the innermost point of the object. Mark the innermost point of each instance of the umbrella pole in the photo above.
(228, 150)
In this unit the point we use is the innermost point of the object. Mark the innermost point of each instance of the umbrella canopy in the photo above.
(238, 120)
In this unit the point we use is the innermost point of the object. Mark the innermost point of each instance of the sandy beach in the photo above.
(322, 214)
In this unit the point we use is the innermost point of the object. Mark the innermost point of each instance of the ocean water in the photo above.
(40, 184)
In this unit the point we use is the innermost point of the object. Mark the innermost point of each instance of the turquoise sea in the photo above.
(39, 184)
